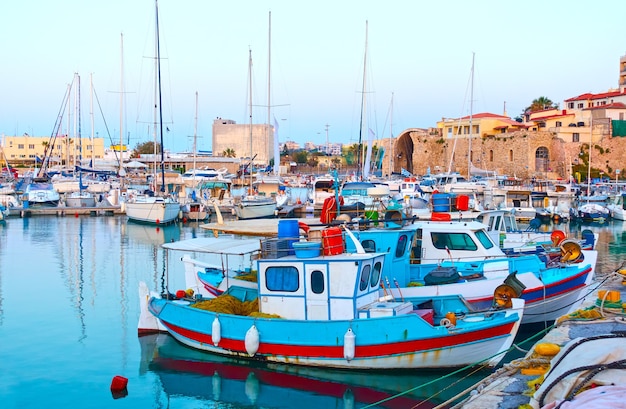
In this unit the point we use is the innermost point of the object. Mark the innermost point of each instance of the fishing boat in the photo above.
(147, 207)
(322, 307)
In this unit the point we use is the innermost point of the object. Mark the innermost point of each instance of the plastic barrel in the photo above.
(462, 203)
(441, 202)
(588, 237)
(289, 229)
(332, 241)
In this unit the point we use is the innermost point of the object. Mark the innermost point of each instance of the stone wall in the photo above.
(512, 154)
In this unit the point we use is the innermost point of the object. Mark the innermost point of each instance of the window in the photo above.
(317, 282)
(491, 155)
(483, 237)
(575, 137)
(282, 279)
(20, 146)
(453, 241)
(31, 146)
(511, 155)
(369, 246)
(365, 277)
(402, 242)
(376, 274)
(580, 105)
(570, 105)
(559, 123)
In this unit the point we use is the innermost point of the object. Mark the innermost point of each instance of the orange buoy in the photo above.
(119, 383)
(557, 237)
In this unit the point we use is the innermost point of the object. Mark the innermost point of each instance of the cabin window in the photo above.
(282, 279)
(483, 238)
(376, 274)
(369, 246)
(365, 277)
(453, 241)
(402, 242)
(317, 282)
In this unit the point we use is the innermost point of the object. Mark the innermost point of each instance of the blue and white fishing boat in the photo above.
(322, 307)
(437, 258)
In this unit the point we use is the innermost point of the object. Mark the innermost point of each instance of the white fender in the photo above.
(216, 331)
(216, 384)
(349, 342)
(251, 388)
(252, 340)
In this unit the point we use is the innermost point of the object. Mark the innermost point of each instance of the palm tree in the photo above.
(229, 153)
(540, 104)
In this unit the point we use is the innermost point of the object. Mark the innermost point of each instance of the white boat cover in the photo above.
(216, 245)
(590, 355)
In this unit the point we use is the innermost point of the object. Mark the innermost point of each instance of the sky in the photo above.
(339, 70)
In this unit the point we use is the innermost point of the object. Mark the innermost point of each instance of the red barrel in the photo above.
(332, 241)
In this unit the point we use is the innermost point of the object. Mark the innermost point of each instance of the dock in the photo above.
(516, 383)
(65, 211)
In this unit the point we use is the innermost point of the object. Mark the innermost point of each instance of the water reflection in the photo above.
(185, 373)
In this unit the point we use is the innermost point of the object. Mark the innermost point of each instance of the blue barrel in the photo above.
(288, 229)
(588, 237)
(441, 202)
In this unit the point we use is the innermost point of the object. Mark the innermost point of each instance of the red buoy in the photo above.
(158, 221)
(181, 294)
(118, 383)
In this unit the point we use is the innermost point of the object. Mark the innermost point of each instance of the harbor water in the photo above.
(68, 324)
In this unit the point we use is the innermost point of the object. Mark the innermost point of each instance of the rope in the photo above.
(480, 364)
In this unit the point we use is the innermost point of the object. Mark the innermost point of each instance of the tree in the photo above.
(145, 148)
(229, 153)
(300, 157)
(539, 104)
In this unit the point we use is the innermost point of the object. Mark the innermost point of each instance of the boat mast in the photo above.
(269, 87)
(250, 96)
(92, 120)
(391, 137)
(469, 149)
(360, 146)
(121, 158)
(195, 137)
(158, 64)
(590, 149)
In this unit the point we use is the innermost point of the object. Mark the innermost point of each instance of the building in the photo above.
(243, 141)
(63, 151)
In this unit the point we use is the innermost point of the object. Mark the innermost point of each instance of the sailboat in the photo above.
(148, 207)
(194, 209)
(80, 198)
(254, 206)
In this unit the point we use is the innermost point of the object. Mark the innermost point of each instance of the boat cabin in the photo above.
(333, 287)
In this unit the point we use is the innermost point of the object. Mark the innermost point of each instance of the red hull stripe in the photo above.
(537, 294)
(362, 351)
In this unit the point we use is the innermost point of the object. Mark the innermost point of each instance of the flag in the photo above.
(405, 173)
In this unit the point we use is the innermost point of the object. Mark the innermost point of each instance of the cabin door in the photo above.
(317, 290)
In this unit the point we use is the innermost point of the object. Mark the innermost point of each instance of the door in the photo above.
(317, 303)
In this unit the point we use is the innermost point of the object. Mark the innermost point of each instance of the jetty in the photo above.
(24, 212)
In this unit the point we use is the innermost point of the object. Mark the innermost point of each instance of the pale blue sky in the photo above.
(421, 51)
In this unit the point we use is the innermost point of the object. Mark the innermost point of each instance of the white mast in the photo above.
(469, 149)
(250, 96)
(590, 150)
(121, 101)
(391, 137)
(92, 120)
(195, 137)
